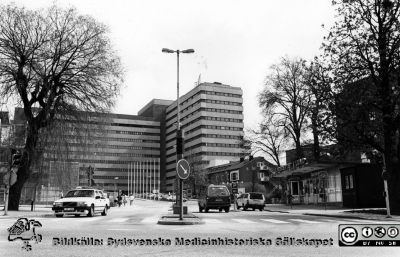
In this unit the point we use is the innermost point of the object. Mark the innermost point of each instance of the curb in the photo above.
(195, 221)
(173, 219)
(21, 215)
(346, 216)
(276, 211)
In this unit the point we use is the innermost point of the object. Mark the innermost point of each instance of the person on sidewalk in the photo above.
(124, 199)
(131, 198)
(119, 198)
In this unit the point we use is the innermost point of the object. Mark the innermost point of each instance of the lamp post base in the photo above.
(177, 209)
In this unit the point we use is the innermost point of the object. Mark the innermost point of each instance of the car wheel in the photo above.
(206, 209)
(227, 209)
(200, 209)
(104, 213)
(59, 215)
(261, 208)
(220, 209)
(245, 207)
(91, 211)
(77, 215)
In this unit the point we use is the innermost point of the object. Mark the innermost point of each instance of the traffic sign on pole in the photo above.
(183, 169)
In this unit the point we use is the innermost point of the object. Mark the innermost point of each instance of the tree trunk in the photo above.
(394, 190)
(316, 150)
(15, 192)
(24, 170)
(299, 150)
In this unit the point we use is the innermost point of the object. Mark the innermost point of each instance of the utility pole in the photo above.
(179, 132)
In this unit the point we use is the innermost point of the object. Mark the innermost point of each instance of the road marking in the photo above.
(305, 221)
(89, 219)
(353, 221)
(118, 220)
(334, 221)
(122, 229)
(244, 221)
(213, 221)
(153, 219)
(275, 221)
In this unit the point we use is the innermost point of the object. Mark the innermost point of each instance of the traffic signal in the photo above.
(90, 173)
(180, 142)
(16, 158)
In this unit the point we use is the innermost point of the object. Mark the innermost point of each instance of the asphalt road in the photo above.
(138, 224)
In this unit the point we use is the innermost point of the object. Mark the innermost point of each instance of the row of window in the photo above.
(209, 136)
(220, 102)
(114, 139)
(125, 162)
(206, 153)
(206, 93)
(208, 127)
(220, 94)
(109, 154)
(143, 166)
(133, 132)
(214, 128)
(210, 101)
(205, 110)
(153, 178)
(116, 124)
(205, 118)
(187, 149)
(117, 146)
(107, 131)
(209, 144)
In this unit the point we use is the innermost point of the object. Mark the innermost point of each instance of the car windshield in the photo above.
(256, 196)
(80, 193)
(218, 191)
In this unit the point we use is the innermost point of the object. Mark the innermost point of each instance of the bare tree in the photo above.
(56, 63)
(363, 47)
(319, 83)
(268, 139)
(198, 176)
(286, 98)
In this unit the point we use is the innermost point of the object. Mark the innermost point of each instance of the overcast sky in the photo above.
(235, 42)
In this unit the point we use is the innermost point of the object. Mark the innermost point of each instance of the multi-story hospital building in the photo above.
(138, 153)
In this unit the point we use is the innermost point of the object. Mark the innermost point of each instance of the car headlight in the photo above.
(57, 204)
(81, 204)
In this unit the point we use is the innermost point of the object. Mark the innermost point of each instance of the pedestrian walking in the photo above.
(119, 198)
(124, 199)
(131, 198)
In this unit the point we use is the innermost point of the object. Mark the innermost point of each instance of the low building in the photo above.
(353, 185)
(251, 175)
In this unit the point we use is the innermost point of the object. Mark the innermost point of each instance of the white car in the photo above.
(82, 201)
(251, 200)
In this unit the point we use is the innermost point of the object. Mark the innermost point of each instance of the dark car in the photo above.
(214, 197)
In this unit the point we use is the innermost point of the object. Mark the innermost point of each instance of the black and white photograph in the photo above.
(199, 128)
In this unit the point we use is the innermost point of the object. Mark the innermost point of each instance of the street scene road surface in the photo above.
(250, 230)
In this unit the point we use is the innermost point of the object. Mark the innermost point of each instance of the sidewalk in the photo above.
(25, 212)
(330, 211)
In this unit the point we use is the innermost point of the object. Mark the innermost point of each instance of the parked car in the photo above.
(214, 197)
(252, 200)
(86, 201)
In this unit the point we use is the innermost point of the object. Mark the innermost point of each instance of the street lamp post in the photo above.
(115, 187)
(179, 132)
